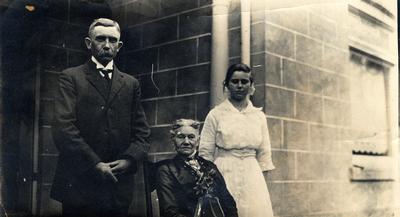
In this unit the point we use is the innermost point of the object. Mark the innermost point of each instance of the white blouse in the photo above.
(242, 133)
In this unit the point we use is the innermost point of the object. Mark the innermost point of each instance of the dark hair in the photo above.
(103, 22)
(234, 68)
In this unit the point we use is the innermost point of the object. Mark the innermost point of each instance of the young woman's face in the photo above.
(239, 85)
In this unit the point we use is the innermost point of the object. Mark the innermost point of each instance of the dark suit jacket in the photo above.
(175, 181)
(91, 126)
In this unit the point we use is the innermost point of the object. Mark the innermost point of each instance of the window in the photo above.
(369, 117)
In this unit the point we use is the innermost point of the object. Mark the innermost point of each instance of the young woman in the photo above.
(235, 136)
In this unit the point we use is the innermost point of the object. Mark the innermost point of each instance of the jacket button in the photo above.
(102, 107)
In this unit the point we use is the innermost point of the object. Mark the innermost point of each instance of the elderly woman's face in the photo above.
(239, 85)
(186, 140)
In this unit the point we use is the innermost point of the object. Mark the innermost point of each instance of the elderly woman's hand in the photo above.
(265, 173)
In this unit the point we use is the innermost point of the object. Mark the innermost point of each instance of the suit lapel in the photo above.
(116, 84)
(93, 76)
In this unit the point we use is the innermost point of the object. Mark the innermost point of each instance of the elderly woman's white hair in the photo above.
(184, 122)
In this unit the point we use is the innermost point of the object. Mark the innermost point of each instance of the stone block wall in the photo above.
(66, 26)
(167, 47)
(172, 39)
(300, 58)
(307, 102)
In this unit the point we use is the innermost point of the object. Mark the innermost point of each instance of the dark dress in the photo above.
(176, 182)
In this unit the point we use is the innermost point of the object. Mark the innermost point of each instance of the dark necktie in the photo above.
(106, 74)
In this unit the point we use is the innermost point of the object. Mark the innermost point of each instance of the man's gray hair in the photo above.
(103, 22)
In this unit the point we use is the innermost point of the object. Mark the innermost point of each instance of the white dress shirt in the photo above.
(100, 67)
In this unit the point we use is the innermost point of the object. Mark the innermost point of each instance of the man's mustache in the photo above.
(186, 144)
(106, 54)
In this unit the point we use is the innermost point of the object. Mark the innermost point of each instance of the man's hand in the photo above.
(119, 166)
(105, 171)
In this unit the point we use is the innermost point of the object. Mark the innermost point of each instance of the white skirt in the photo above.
(245, 181)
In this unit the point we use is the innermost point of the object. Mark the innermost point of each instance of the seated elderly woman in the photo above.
(189, 185)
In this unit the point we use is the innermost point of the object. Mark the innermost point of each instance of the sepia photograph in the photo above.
(199, 108)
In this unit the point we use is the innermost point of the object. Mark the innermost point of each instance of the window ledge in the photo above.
(372, 168)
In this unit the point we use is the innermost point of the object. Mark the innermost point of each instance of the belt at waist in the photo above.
(241, 153)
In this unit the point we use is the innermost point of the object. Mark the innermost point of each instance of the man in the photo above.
(100, 130)
(189, 185)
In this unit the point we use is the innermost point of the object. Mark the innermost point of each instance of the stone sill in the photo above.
(372, 168)
(376, 52)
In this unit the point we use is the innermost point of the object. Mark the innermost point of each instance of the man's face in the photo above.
(104, 43)
(186, 140)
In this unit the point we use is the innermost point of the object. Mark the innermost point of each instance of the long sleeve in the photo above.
(165, 191)
(65, 132)
(140, 131)
(208, 138)
(264, 152)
